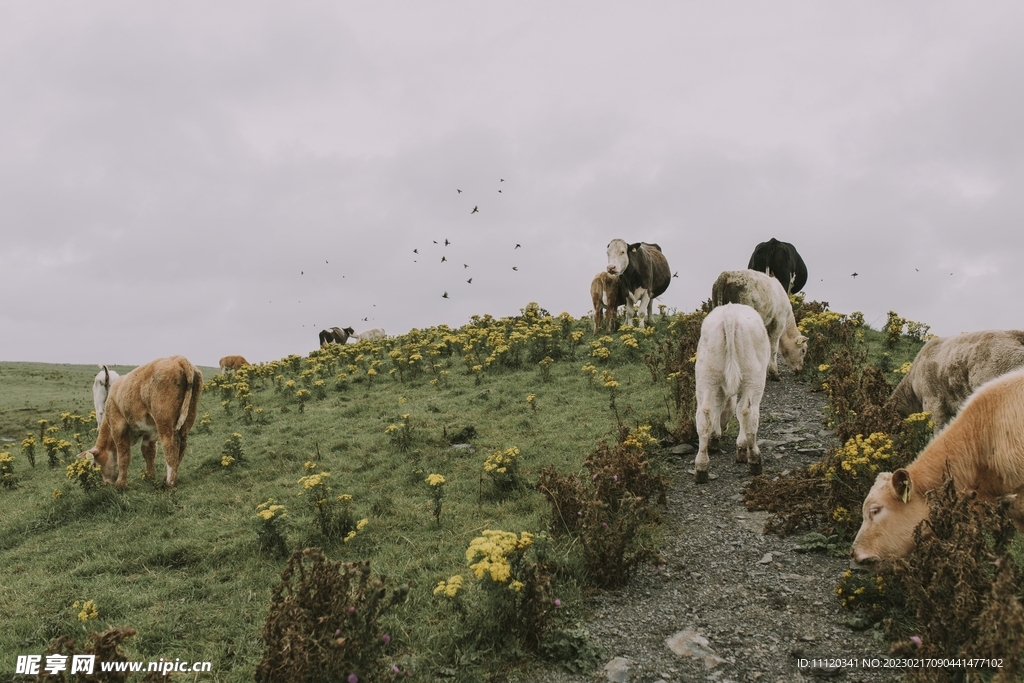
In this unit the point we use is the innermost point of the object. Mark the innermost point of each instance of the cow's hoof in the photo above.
(741, 457)
(755, 468)
(701, 476)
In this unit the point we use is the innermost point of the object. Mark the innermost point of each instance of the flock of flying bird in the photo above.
(444, 259)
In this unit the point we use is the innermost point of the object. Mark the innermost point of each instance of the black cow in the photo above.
(643, 273)
(335, 334)
(780, 260)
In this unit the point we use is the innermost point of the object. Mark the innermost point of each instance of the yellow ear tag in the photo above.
(906, 494)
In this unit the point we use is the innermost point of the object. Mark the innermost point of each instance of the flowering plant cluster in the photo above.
(270, 528)
(502, 466)
(89, 610)
(401, 434)
(436, 483)
(86, 472)
(7, 478)
(333, 515)
(232, 452)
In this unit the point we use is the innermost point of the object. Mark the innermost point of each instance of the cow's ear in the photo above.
(902, 485)
(801, 340)
(634, 247)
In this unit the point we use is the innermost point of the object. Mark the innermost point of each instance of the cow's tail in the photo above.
(106, 378)
(193, 385)
(732, 375)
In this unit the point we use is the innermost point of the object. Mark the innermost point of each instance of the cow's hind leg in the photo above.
(149, 454)
(172, 444)
(707, 422)
(748, 414)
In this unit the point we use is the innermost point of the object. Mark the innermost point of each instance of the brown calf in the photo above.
(155, 400)
(607, 294)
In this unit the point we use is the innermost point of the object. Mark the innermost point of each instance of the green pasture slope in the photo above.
(183, 566)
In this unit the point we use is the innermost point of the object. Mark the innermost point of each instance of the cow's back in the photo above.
(661, 274)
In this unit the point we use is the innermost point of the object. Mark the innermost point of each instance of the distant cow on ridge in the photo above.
(781, 261)
(338, 335)
(643, 273)
(232, 363)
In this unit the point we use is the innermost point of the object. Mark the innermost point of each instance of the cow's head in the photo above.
(348, 330)
(892, 510)
(794, 354)
(106, 458)
(618, 256)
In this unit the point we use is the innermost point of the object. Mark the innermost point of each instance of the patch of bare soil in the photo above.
(760, 606)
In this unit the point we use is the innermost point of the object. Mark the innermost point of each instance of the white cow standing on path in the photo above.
(732, 363)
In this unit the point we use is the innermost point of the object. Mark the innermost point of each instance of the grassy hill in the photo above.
(185, 567)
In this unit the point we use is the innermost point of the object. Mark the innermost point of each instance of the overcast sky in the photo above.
(229, 178)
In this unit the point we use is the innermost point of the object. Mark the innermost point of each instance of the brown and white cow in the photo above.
(732, 361)
(232, 363)
(337, 335)
(983, 447)
(643, 274)
(157, 400)
(765, 295)
(947, 369)
(100, 389)
(607, 294)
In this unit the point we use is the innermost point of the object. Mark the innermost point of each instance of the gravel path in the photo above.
(760, 606)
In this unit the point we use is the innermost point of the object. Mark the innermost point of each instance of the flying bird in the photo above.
(443, 259)
(445, 295)
(853, 275)
(675, 274)
(465, 265)
(302, 272)
(364, 319)
(458, 190)
(514, 268)
(475, 209)
(470, 280)
(517, 246)
(415, 251)
(501, 180)
(499, 191)
(446, 242)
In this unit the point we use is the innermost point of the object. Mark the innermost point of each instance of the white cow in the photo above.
(100, 389)
(732, 359)
(767, 297)
(370, 335)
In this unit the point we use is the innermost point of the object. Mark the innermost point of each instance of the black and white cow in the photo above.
(643, 273)
(781, 261)
(339, 335)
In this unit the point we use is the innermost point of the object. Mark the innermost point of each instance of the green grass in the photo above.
(183, 566)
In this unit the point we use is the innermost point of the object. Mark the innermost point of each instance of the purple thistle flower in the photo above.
(558, 603)
(615, 477)
(385, 639)
(916, 640)
(352, 610)
(352, 678)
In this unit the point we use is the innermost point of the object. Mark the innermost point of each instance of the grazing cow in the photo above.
(338, 335)
(232, 363)
(643, 274)
(370, 335)
(607, 293)
(155, 400)
(100, 389)
(781, 261)
(732, 359)
(765, 295)
(983, 449)
(947, 369)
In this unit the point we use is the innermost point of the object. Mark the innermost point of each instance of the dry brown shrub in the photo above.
(608, 508)
(323, 622)
(106, 647)
(674, 358)
(962, 587)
